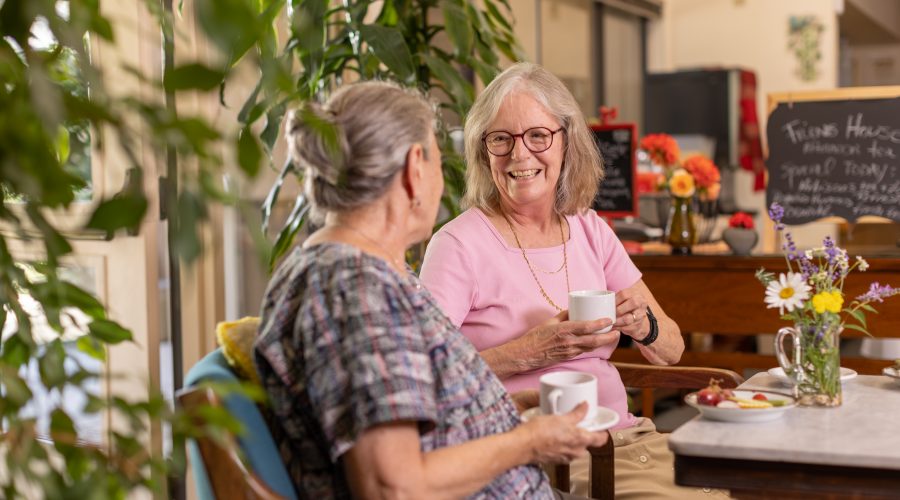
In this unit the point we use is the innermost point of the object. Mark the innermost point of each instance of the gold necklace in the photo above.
(398, 265)
(531, 268)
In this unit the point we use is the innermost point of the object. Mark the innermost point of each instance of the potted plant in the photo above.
(740, 235)
(48, 111)
(438, 47)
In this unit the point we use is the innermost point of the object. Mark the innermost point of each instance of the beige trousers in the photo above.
(644, 467)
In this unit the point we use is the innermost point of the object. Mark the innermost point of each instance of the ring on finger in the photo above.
(634, 317)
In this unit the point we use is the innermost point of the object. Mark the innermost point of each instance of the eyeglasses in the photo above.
(536, 140)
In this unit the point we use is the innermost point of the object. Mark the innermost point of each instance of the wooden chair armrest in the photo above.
(601, 475)
(674, 377)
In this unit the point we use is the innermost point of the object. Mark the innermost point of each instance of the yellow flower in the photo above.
(681, 184)
(831, 301)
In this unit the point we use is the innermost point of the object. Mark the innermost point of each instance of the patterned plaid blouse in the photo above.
(347, 343)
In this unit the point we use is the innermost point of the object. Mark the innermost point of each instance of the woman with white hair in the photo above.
(528, 238)
(374, 393)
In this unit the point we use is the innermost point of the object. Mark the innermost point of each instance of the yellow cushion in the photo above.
(236, 339)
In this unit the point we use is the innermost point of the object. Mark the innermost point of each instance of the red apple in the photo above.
(709, 397)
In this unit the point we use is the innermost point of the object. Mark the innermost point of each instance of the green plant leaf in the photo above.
(868, 308)
(232, 25)
(851, 326)
(92, 347)
(289, 232)
(120, 212)
(458, 88)
(274, 191)
(249, 153)
(273, 125)
(15, 351)
(308, 28)
(51, 365)
(486, 73)
(56, 244)
(459, 27)
(108, 331)
(62, 145)
(16, 390)
(72, 295)
(859, 316)
(390, 48)
(193, 76)
(495, 14)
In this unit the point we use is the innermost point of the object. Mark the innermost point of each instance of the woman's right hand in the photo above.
(559, 339)
(557, 439)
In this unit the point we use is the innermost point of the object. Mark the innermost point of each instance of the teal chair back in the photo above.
(263, 461)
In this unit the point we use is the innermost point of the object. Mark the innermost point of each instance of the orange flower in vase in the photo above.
(706, 176)
(681, 184)
(662, 148)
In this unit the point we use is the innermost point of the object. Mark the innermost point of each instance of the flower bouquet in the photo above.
(811, 296)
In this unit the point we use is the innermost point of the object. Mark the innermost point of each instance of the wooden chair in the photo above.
(602, 464)
(246, 467)
(228, 476)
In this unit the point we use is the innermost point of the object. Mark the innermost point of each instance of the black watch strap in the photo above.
(654, 329)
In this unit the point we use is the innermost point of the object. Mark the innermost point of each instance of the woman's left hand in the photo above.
(631, 313)
(631, 320)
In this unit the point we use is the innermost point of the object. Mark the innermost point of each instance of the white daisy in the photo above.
(787, 292)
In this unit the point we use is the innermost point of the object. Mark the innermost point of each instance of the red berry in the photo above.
(760, 397)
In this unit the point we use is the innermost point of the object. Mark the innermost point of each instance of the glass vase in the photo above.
(681, 233)
(814, 363)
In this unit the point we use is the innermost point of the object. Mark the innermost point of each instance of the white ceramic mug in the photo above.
(561, 392)
(587, 305)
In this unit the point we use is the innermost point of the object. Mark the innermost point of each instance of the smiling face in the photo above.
(526, 180)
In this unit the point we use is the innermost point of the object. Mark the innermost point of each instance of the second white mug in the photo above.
(561, 392)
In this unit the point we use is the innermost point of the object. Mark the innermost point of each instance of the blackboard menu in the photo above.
(616, 197)
(835, 158)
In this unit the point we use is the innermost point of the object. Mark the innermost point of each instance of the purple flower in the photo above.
(878, 293)
(776, 213)
(830, 251)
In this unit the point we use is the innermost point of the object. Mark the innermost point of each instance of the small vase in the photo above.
(814, 365)
(681, 233)
(740, 240)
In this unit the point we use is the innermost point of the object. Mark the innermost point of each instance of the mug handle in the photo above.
(553, 398)
(791, 367)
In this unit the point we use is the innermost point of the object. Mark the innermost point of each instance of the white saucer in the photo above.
(778, 372)
(604, 419)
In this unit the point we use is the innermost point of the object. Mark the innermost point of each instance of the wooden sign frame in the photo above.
(842, 94)
(632, 128)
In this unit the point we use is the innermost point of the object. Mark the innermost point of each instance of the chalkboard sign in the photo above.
(838, 157)
(617, 195)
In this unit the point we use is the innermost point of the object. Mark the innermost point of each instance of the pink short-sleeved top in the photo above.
(486, 289)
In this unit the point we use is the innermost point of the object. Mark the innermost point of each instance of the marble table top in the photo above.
(863, 432)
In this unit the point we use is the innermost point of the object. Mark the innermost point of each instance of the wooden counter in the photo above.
(720, 294)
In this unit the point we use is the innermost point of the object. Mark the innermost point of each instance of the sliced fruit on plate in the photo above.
(751, 403)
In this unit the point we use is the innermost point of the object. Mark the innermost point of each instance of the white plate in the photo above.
(604, 419)
(892, 372)
(778, 372)
(744, 414)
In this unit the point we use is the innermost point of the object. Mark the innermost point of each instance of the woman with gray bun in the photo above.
(374, 392)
